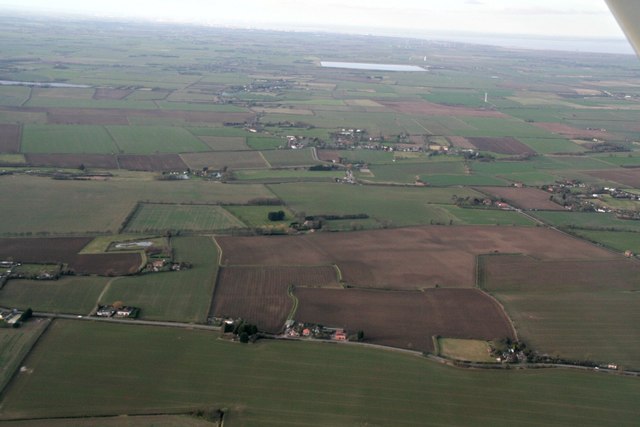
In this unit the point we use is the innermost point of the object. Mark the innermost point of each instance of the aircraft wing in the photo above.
(627, 13)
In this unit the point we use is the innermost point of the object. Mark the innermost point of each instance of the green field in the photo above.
(391, 205)
(67, 139)
(588, 220)
(14, 96)
(183, 296)
(15, 344)
(153, 218)
(282, 158)
(154, 139)
(487, 216)
(273, 383)
(92, 206)
(617, 240)
(71, 294)
(257, 216)
(283, 175)
(469, 350)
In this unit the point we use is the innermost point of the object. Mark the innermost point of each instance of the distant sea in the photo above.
(620, 46)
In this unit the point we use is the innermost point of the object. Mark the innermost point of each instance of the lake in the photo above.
(366, 66)
(40, 84)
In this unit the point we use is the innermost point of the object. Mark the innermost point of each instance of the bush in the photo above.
(276, 215)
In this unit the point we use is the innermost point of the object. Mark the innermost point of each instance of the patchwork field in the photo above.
(65, 250)
(406, 258)
(261, 295)
(405, 319)
(355, 388)
(154, 217)
(581, 310)
(181, 296)
(101, 205)
(524, 198)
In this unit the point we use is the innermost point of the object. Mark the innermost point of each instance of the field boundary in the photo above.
(265, 160)
(293, 310)
(5, 387)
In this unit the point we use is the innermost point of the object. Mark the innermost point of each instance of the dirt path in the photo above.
(104, 291)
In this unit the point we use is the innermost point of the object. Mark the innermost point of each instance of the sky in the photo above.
(570, 18)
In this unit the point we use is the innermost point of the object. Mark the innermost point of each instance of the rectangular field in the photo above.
(225, 143)
(395, 206)
(154, 162)
(72, 139)
(15, 344)
(101, 161)
(501, 145)
(356, 388)
(260, 295)
(72, 295)
(154, 139)
(524, 198)
(219, 159)
(10, 138)
(157, 218)
(284, 158)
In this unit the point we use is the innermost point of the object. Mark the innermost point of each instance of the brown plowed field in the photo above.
(10, 136)
(406, 258)
(502, 145)
(329, 155)
(103, 161)
(65, 250)
(260, 294)
(525, 198)
(629, 177)
(105, 93)
(107, 116)
(425, 108)
(573, 133)
(154, 162)
(521, 273)
(461, 142)
(405, 319)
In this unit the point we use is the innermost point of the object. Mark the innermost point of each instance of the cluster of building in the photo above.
(120, 312)
(11, 317)
(157, 265)
(313, 331)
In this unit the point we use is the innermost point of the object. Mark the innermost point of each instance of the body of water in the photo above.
(376, 67)
(40, 84)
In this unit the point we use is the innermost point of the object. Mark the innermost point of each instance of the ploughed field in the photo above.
(10, 136)
(525, 198)
(406, 258)
(261, 295)
(65, 250)
(578, 309)
(406, 319)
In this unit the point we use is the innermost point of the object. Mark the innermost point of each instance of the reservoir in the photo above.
(366, 66)
(39, 84)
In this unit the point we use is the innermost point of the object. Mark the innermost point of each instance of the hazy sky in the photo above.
(583, 18)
